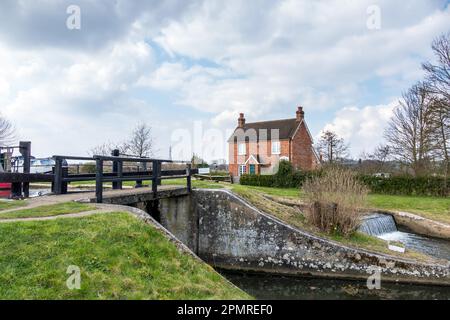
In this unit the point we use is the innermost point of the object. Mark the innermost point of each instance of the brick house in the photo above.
(258, 147)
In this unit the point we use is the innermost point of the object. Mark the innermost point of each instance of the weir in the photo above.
(378, 224)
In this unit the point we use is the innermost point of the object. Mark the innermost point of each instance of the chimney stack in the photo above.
(241, 121)
(300, 114)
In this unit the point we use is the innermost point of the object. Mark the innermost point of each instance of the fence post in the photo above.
(57, 180)
(155, 171)
(16, 190)
(138, 182)
(99, 180)
(159, 173)
(115, 169)
(189, 176)
(120, 173)
(64, 184)
(25, 151)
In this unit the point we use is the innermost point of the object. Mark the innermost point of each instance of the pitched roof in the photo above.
(286, 129)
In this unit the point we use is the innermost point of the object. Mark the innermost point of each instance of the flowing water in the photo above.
(377, 224)
(383, 226)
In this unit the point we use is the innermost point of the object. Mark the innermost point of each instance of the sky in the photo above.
(188, 68)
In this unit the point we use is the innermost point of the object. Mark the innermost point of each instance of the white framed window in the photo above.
(241, 149)
(276, 147)
(242, 169)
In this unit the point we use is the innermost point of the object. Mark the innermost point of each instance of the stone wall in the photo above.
(234, 235)
(227, 232)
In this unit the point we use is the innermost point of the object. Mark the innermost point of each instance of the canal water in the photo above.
(270, 287)
(384, 227)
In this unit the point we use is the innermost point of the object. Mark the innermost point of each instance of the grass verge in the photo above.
(5, 205)
(434, 208)
(47, 211)
(119, 258)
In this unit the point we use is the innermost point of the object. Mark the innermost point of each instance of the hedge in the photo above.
(294, 180)
(407, 185)
(397, 185)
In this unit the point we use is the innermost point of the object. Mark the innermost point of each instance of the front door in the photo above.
(252, 169)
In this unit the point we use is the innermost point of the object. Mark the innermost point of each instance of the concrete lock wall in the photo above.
(229, 233)
(178, 215)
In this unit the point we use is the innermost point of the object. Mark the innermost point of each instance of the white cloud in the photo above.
(59, 99)
(319, 54)
(362, 128)
(223, 57)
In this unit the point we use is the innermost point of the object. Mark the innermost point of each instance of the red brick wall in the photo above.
(232, 160)
(256, 149)
(301, 147)
(299, 151)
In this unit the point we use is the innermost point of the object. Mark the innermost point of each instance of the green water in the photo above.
(271, 287)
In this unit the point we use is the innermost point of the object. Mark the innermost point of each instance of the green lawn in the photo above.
(280, 192)
(119, 257)
(429, 207)
(5, 205)
(47, 211)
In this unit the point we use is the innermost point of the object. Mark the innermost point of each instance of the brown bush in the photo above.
(334, 201)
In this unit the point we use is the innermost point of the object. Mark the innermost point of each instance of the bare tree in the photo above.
(332, 147)
(141, 142)
(380, 157)
(7, 131)
(106, 148)
(409, 132)
(440, 112)
(438, 75)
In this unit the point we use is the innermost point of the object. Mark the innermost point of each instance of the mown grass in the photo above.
(5, 205)
(119, 257)
(280, 192)
(47, 210)
(434, 208)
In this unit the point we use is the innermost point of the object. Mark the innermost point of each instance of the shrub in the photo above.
(334, 201)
